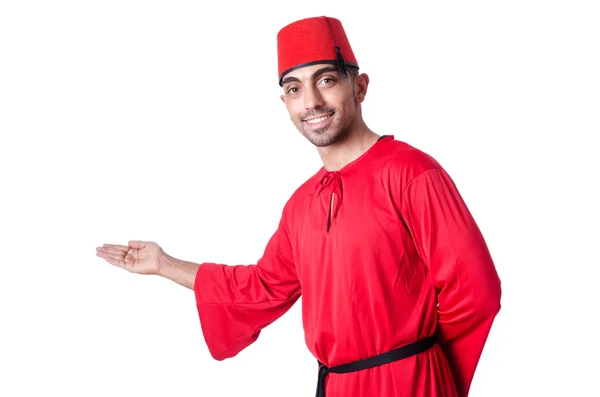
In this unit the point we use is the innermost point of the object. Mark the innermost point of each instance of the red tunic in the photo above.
(382, 251)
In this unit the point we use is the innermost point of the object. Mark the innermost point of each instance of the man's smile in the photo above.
(315, 120)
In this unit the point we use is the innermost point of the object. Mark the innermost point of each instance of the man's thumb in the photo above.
(137, 244)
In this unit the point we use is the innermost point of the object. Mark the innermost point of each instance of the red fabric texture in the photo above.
(311, 40)
(403, 257)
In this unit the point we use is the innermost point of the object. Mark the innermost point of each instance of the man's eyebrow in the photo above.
(316, 74)
(324, 70)
(289, 80)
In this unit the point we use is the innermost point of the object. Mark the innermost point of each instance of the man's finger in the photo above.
(136, 244)
(120, 256)
(116, 262)
(117, 251)
(116, 246)
(105, 254)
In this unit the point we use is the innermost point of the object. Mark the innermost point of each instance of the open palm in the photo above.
(142, 257)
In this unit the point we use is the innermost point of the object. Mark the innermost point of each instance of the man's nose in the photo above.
(312, 98)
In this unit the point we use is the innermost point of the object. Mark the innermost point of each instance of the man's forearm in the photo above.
(182, 272)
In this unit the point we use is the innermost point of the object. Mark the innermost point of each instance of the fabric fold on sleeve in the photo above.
(236, 302)
(460, 267)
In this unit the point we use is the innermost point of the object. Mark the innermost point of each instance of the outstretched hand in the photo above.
(141, 257)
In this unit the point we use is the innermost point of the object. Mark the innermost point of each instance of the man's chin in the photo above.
(321, 138)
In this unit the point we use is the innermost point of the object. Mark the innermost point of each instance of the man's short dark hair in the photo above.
(347, 71)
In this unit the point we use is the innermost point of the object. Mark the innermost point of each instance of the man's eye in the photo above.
(327, 80)
(293, 90)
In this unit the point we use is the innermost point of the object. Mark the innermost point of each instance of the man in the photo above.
(399, 289)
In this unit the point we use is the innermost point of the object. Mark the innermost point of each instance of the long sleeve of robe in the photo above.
(236, 302)
(460, 266)
(384, 252)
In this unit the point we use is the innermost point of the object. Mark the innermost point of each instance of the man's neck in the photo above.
(348, 149)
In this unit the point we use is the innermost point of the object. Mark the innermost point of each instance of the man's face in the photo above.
(322, 103)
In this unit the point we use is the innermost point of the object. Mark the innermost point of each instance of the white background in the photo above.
(146, 120)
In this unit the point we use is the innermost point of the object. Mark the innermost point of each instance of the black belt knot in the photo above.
(394, 355)
(323, 372)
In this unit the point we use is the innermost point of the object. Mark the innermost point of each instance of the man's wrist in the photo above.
(181, 272)
(163, 264)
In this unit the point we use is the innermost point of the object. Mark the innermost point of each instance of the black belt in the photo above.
(394, 355)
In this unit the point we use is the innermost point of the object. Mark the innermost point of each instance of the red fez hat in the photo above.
(312, 41)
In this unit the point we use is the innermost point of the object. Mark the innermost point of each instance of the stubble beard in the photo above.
(325, 136)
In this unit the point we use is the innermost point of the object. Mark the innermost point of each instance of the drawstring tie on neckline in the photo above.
(330, 185)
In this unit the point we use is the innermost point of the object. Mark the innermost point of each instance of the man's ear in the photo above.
(361, 84)
(283, 98)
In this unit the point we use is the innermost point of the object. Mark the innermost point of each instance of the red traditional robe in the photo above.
(383, 252)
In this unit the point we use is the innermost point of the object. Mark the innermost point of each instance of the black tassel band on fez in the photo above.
(340, 59)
